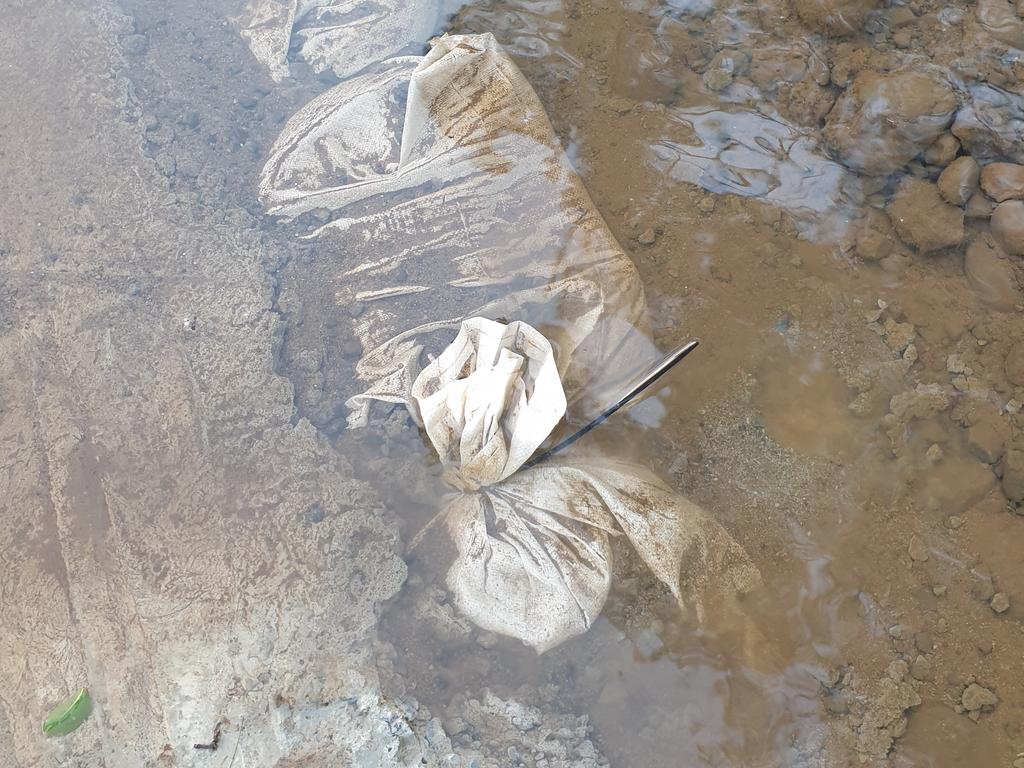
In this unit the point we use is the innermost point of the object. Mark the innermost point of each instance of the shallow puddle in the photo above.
(202, 536)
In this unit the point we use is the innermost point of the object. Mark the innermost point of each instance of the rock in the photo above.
(978, 207)
(987, 437)
(621, 105)
(976, 697)
(1000, 602)
(1003, 181)
(647, 237)
(898, 336)
(900, 16)
(897, 670)
(717, 78)
(884, 120)
(922, 669)
(992, 275)
(1013, 364)
(1013, 473)
(902, 38)
(998, 18)
(960, 485)
(922, 402)
(835, 18)
(959, 181)
(923, 219)
(874, 238)
(884, 717)
(983, 590)
(934, 453)
(917, 550)
(990, 125)
(924, 642)
(942, 151)
(1008, 226)
(837, 704)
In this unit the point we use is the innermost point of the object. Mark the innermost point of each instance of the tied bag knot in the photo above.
(489, 400)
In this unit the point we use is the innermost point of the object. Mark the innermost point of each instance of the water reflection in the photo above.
(750, 154)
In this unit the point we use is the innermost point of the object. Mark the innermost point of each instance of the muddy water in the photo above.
(880, 524)
(850, 417)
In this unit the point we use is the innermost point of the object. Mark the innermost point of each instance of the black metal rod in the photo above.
(655, 373)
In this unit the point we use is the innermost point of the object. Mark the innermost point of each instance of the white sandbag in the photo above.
(534, 556)
(451, 197)
(535, 560)
(342, 36)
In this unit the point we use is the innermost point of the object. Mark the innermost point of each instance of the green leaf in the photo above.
(68, 715)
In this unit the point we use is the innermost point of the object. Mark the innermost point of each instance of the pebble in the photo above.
(717, 78)
(1013, 473)
(939, 590)
(984, 647)
(922, 669)
(315, 514)
(898, 335)
(873, 244)
(647, 237)
(1003, 181)
(902, 39)
(954, 521)
(942, 151)
(1008, 226)
(707, 204)
(983, 590)
(917, 550)
(989, 124)
(882, 121)
(934, 453)
(923, 219)
(950, 16)
(1013, 364)
(960, 180)
(1000, 602)
(979, 207)
(837, 704)
(900, 16)
(991, 275)
(924, 642)
(898, 670)
(976, 697)
(621, 106)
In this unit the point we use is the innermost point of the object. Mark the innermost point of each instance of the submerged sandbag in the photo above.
(455, 214)
(451, 197)
(534, 552)
(342, 36)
